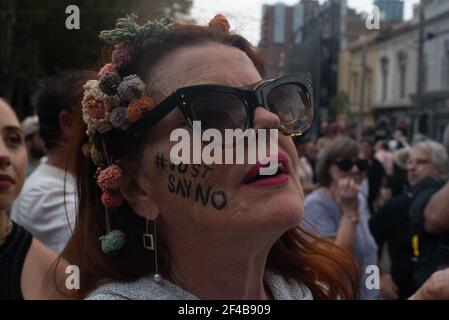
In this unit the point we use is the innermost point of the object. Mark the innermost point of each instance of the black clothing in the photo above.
(431, 251)
(12, 257)
(376, 174)
(391, 224)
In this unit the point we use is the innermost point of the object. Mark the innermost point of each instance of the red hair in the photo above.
(327, 270)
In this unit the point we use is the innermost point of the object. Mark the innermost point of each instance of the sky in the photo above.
(245, 15)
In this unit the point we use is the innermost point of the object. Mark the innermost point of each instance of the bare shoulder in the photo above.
(36, 270)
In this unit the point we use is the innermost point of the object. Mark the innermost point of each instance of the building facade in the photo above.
(391, 10)
(350, 66)
(391, 78)
(281, 27)
(397, 80)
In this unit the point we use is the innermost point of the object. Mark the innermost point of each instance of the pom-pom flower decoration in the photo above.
(122, 54)
(143, 103)
(96, 156)
(110, 178)
(132, 87)
(109, 83)
(97, 107)
(112, 199)
(113, 241)
(220, 23)
(118, 118)
(106, 69)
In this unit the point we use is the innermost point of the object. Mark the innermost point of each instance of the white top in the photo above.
(47, 205)
(146, 288)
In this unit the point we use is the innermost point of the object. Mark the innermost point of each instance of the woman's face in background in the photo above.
(354, 173)
(215, 200)
(13, 157)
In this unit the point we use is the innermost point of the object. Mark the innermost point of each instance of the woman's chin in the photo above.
(282, 212)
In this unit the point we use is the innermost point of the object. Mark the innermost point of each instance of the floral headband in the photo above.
(116, 102)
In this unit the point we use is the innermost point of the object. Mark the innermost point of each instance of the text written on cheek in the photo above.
(200, 193)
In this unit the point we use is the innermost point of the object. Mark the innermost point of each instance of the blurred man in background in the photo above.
(34, 143)
(46, 205)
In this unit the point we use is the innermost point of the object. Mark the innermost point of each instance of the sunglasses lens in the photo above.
(362, 165)
(344, 165)
(220, 111)
(291, 104)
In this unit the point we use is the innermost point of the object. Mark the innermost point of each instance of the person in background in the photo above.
(46, 205)
(34, 143)
(428, 213)
(384, 155)
(397, 183)
(24, 261)
(391, 224)
(332, 132)
(337, 210)
(306, 163)
(376, 175)
(435, 288)
(311, 154)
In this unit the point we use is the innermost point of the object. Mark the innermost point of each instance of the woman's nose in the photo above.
(355, 169)
(4, 155)
(264, 119)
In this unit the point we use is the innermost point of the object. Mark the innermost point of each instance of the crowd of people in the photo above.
(393, 192)
(79, 186)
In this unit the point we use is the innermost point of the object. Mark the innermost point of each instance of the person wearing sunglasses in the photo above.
(189, 231)
(337, 210)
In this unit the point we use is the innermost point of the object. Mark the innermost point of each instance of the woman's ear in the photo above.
(139, 197)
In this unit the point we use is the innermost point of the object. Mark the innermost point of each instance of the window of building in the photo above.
(402, 62)
(354, 87)
(279, 23)
(445, 66)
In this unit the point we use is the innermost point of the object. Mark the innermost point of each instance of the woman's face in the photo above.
(13, 157)
(354, 173)
(214, 200)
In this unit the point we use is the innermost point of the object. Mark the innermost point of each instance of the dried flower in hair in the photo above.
(102, 126)
(86, 149)
(118, 118)
(95, 109)
(111, 199)
(96, 156)
(132, 87)
(145, 103)
(122, 54)
(110, 178)
(133, 113)
(109, 83)
(113, 241)
(92, 92)
(106, 69)
(220, 23)
(127, 30)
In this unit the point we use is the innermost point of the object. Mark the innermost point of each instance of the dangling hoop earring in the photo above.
(150, 243)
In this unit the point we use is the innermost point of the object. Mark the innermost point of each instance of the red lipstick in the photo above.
(253, 177)
(5, 182)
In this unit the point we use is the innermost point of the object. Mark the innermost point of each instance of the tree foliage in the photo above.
(35, 43)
